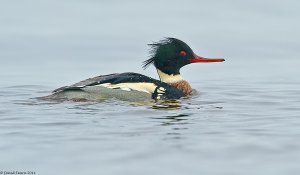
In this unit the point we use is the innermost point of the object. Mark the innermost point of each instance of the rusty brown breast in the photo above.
(184, 86)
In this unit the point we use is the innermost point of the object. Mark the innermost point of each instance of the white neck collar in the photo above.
(169, 78)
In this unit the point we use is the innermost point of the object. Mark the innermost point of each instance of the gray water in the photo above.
(245, 118)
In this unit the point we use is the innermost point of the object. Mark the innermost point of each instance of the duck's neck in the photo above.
(176, 81)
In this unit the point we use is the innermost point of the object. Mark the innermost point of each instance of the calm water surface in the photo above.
(245, 118)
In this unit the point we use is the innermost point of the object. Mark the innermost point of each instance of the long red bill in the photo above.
(198, 59)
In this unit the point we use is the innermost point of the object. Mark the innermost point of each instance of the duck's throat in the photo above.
(176, 81)
(169, 78)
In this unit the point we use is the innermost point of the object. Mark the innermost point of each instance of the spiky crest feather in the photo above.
(153, 49)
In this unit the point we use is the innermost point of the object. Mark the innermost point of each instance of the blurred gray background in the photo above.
(60, 42)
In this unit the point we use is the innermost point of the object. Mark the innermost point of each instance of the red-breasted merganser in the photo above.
(168, 56)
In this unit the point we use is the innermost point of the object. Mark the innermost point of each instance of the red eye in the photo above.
(182, 53)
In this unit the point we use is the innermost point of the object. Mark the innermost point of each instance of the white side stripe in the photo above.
(143, 87)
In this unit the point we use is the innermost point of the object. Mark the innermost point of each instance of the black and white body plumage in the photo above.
(167, 55)
(128, 81)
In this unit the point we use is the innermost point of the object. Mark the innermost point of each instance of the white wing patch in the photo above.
(142, 87)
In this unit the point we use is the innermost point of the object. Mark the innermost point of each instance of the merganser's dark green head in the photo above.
(171, 54)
